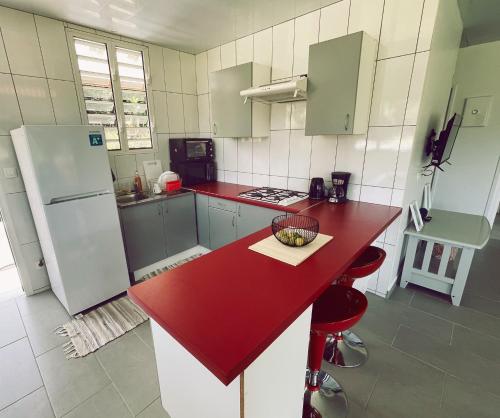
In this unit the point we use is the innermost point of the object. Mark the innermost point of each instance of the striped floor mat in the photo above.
(90, 331)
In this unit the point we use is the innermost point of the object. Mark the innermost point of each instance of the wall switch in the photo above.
(477, 110)
(10, 172)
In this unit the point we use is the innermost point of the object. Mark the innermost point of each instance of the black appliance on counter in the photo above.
(317, 188)
(338, 192)
(193, 160)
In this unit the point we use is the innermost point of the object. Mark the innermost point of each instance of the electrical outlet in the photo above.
(10, 172)
(477, 110)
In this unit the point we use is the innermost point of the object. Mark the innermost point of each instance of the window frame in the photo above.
(111, 45)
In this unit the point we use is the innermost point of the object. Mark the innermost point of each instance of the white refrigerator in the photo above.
(68, 181)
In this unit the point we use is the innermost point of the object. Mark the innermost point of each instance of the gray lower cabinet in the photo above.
(179, 223)
(222, 227)
(202, 220)
(143, 235)
(253, 218)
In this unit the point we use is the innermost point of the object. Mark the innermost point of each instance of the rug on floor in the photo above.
(90, 331)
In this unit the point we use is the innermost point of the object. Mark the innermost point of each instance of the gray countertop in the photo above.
(154, 198)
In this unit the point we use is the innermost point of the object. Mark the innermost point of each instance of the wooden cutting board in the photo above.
(271, 247)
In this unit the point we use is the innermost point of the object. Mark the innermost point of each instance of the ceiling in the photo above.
(481, 20)
(187, 25)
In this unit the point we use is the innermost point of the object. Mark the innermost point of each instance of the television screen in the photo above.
(444, 146)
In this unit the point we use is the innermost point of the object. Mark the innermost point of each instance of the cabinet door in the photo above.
(332, 80)
(253, 218)
(222, 227)
(231, 117)
(202, 220)
(143, 234)
(180, 223)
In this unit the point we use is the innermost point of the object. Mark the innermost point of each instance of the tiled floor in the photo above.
(427, 359)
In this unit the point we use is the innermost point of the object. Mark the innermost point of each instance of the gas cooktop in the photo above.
(276, 196)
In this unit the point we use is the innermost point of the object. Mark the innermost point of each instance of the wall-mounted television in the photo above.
(440, 149)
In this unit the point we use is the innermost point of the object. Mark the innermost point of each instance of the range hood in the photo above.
(283, 92)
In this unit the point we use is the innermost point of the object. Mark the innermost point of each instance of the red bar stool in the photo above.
(336, 310)
(346, 349)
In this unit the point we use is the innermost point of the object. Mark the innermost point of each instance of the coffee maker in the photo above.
(338, 192)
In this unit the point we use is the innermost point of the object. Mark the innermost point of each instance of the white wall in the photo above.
(467, 185)
(379, 161)
(37, 86)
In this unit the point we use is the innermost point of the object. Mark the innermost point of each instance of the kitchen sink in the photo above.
(130, 197)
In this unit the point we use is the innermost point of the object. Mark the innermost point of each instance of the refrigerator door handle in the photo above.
(62, 199)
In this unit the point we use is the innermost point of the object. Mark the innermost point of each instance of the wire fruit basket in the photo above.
(295, 230)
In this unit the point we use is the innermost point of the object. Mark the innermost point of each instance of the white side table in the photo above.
(439, 256)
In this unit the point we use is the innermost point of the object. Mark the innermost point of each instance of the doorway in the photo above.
(10, 283)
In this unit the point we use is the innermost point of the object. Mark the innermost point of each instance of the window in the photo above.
(114, 92)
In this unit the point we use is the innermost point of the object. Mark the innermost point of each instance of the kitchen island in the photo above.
(231, 328)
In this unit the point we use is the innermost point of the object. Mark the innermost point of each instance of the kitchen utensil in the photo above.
(338, 192)
(166, 177)
(295, 230)
(156, 188)
(317, 188)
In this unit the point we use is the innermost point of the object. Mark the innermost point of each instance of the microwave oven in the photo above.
(194, 172)
(191, 149)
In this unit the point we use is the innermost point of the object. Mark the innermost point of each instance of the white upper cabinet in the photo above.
(21, 42)
(231, 116)
(54, 48)
(339, 85)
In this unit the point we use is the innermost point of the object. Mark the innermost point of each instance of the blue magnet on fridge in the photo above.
(95, 140)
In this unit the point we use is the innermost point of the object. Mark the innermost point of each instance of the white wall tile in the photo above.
(65, 102)
(125, 165)
(306, 33)
(397, 197)
(353, 191)
(263, 47)
(261, 150)
(386, 273)
(298, 115)
(10, 116)
(381, 156)
(427, 25)
(220, 175)
(350, 156)
(34, 100)
(299, 163)
(334, 20)
(213, 60)
(201, 73)
(230, 154)
(260, 180)
(245, 155)
(244, 50)
(245, 178)
(21, 42)
(156, 67)
(394, 232)
(204, 113)
(404, 156)
(400, 28)
(163, 151)
(323, 151)
(392, 82)
(366, 15)
(299, 185)
(8, 159)
(172, 66)
(278, 182)
(54, 48)
(161, 111)
(283, 35)
(23, 220)
(280, 116)
(219, 152)
(279, 151)
(4, 63)
(188, 73)
(231, 177)
(228, 55)
(378, 195)
(416, 88)
(190, 113)
(175, 113)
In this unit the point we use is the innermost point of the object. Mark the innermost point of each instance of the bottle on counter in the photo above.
(137, 183)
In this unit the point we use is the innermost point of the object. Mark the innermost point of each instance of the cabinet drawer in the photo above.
(223, 204)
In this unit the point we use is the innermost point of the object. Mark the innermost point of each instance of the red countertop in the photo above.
(228, 306)
(231, 191)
